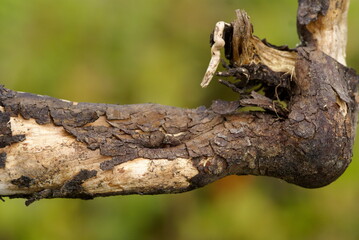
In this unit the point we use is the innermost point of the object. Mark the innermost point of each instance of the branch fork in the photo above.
(51, 148)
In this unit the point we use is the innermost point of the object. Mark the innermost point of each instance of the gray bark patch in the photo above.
(23, 182)
(6, 137)
(74, 185)
(2, 159)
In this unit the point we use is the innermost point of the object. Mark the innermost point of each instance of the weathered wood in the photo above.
(322, 24)
(55, 148)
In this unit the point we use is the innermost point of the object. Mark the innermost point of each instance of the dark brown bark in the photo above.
(308, 143)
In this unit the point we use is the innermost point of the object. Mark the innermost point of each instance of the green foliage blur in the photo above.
(125, 52)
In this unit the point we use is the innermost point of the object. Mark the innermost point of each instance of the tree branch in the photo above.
(54, 148)
(323, 24)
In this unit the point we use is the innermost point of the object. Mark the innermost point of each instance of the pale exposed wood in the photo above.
(252, 50)
(50, 152)
(330, 32)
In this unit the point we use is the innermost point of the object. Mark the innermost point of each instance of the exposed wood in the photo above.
(250, 50)
(55, 148)
(323, 24)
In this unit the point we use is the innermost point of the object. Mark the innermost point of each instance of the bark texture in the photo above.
(55, 148)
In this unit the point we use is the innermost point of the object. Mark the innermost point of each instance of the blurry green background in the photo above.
(124, 52)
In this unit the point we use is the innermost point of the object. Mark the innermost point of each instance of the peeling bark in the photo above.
(53, 148)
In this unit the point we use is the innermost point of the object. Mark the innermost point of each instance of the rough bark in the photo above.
(53, 148)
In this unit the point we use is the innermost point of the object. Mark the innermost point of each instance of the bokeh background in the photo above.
(125, 52)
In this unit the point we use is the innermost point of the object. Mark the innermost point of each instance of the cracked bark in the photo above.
(52, 148)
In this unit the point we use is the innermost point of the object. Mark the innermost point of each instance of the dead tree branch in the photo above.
(52, 148)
